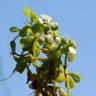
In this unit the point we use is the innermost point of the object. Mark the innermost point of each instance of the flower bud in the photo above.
(58, 40)
(40, 21)
(70, 57)
(46, 19)
(49, 38)
(72, 51)
(54, 26)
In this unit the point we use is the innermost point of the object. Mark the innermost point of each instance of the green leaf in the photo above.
(36, 27)
(63, 41)
(46, 27)
(23, 31)
(75, 77)
(14, 29)
(27, 11)
(34, 17)
(26, 41)
(60, 77)
(61, 68)
(71, 83)
(29, 32)
(20, 67)
(13, 45)
(35, 49)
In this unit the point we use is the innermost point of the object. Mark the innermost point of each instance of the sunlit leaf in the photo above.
(29, 32)
(75, 77)
(61, 77)
(27, 11)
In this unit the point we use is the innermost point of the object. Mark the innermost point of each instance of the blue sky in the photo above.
(76, 17)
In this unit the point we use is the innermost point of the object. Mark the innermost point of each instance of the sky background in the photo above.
(76, 17)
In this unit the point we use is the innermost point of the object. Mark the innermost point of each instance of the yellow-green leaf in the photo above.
(14, 29)
(26, 41)
(27, 11)
(61, 77)
(75, 77)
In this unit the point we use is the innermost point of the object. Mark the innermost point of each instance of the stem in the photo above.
(16, 37)
(54, 89)
(66, 76)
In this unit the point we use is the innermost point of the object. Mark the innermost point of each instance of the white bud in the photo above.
(72, 51)
(58, 40)
(49, 38)
(45, 18)
(40, 21)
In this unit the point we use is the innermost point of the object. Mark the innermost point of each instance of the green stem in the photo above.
(66, 76)
(16, 37)
(54, 89)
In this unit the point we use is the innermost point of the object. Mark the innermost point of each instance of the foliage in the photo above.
(41, 36)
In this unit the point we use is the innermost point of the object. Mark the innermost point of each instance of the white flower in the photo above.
(45, 18)
(49, 38)
(58, 40)
(40, 21)
(72, 51)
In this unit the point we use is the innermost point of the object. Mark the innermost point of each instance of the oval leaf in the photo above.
(70, 83)
(23, 31)
(61, 77)
(26, 41)
(14, 29)
(75, 77)
(27, 11)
